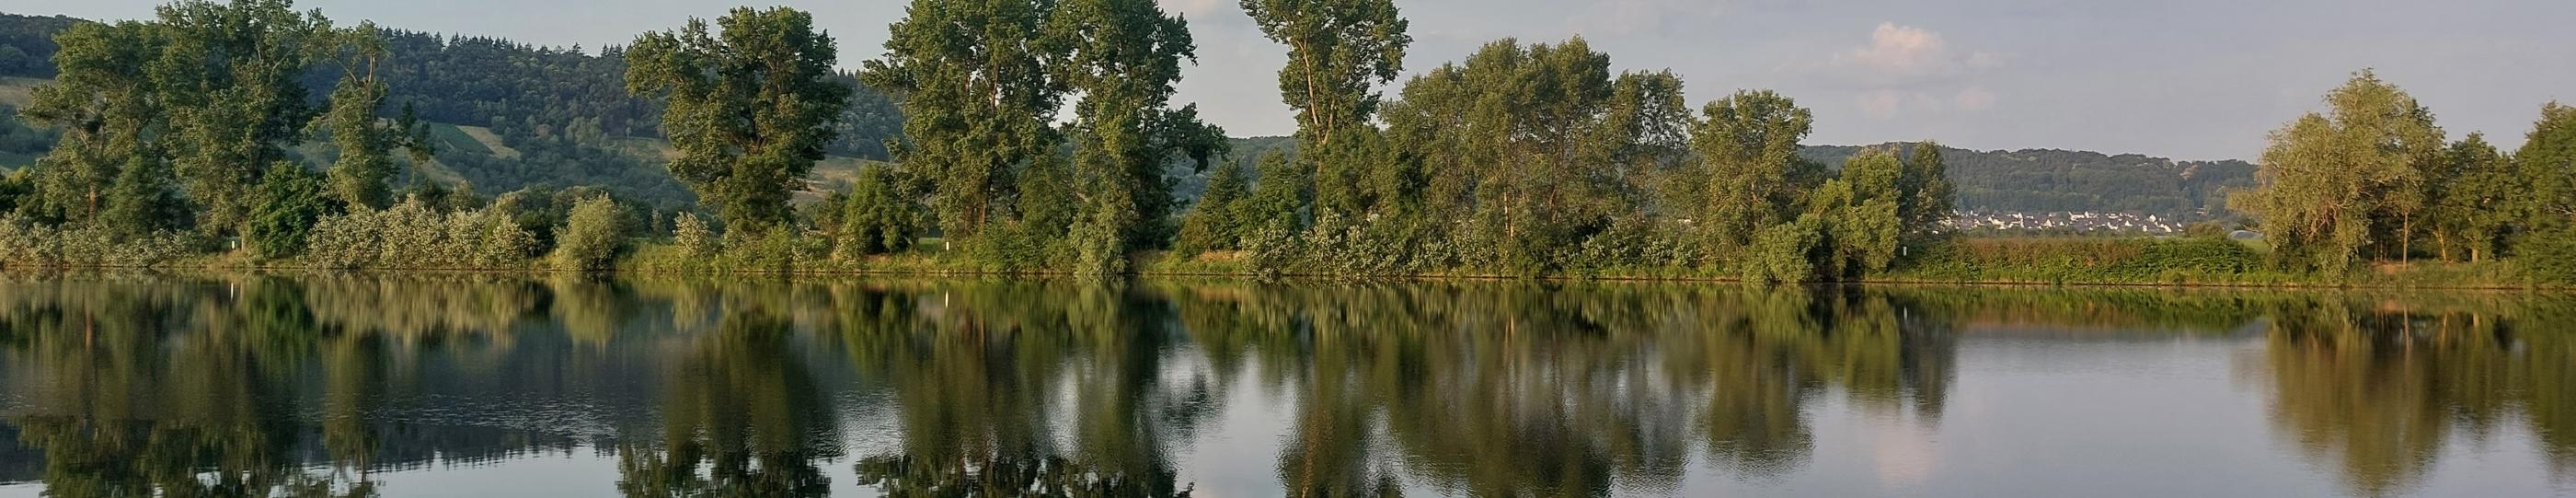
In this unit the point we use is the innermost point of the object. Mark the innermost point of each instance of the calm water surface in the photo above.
(488, 386)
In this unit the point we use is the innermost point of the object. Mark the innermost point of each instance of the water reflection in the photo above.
(265, 385)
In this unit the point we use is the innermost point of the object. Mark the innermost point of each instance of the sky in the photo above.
(2189, 79)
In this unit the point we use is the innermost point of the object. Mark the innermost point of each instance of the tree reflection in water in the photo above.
(259, 385)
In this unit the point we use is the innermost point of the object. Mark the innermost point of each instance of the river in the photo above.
(465, 385)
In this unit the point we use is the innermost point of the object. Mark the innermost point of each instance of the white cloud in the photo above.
(1900, 55)
(1901, 49)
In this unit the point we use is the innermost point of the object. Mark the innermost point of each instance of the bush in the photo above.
(692, 236)
(411, 235)
(291, 200)
(2548, 256)
(1784, 252)
(591, 236)
(27, 244)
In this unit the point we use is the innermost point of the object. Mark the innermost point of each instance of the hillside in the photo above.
(514, 116)
(508, 115)
(2048, 180)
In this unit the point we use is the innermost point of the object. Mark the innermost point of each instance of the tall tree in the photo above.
(2470, 210)
(978, 102)
(1925, 186)
(750, 108)
(1748, 144)
(111, 116)
(230, 79)
(2333, 183)
(1338, 51)
(2547, 159)
(1123, 57)
(361, 175)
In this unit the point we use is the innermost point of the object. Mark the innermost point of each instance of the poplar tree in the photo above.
(978, 103)
(1748, 144)
(750, 108)
(1338, 52)
(1123, 57)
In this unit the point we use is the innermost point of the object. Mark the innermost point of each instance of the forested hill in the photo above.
(513, 115)
(2047, 180)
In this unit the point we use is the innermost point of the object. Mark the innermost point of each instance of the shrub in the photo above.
(692, 236)
(291, 200)
(2548, 256)
(27, 244)
(411, 235)
(591, 236)
(1784, 252)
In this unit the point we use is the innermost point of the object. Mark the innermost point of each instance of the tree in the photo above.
(2332, 184)
(1338, 50)
(230, 81)
(291, 200)
(111, 115)
(1123, 57)
(361, 175)
(1211, 224)
(750, 109)
(877, 217)
(2470, 212)
(977, 100)
(1748, 144)
(2548, 161)
(1926, 197)
(591, 236)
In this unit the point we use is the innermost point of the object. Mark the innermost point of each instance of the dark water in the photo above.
(481, 386)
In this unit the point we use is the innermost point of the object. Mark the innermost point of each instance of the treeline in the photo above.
(2048, 180)
(2374, 180)
(1525, 159)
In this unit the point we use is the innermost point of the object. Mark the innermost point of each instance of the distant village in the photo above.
(2067, 222)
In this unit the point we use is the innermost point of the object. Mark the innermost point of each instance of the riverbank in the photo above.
(2208, 263)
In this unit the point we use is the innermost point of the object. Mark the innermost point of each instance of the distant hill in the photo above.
(2048, 180)
(536, 116)
(513, 115)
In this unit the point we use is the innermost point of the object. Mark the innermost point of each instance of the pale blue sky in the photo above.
(2193, 79)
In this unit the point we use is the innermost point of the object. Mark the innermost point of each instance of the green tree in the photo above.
(1338, 52)
(591, 236)
(1123, 57)
(230, 81)
(2548, 161)
(1748, 143)
(2470, 212)
(750, 108)
(1925, 197)
(291, 200)
(978, 103)
(1211, 224)
(110, 113)
(361, 175)
(2334, 184)
(877, 217)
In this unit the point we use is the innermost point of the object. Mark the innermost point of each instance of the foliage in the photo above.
(977, 100)
(1748, 146)
(591, 236)
(290, 201)
(750, 108)
(26, 243)
(691, 236)
(412, 235)
(2333, 185)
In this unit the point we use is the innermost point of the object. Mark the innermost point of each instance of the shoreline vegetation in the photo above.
(1040, 138)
